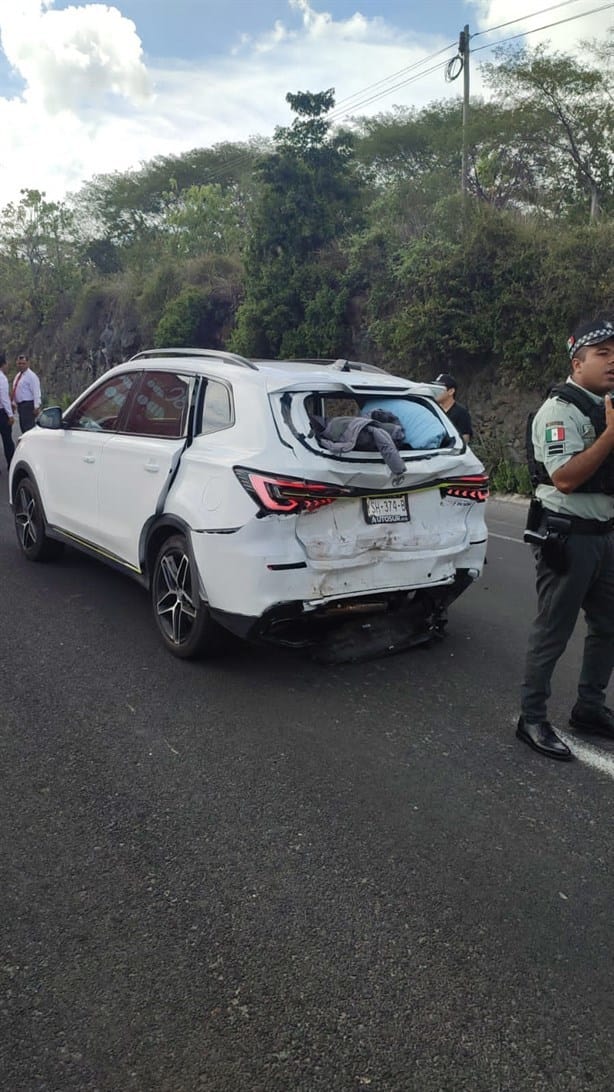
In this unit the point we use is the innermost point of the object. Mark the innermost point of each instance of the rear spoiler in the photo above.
(362, 384)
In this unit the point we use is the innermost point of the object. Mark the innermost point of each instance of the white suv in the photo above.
(209, 478)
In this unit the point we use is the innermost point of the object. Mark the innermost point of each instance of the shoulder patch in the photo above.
(555, 433)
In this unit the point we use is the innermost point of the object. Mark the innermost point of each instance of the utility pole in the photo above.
(463, 49)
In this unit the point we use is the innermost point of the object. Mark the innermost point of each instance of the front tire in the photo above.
(183, 619)
(30, 524)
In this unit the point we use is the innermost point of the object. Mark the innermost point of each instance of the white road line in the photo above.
(507, 538)
(599, 760)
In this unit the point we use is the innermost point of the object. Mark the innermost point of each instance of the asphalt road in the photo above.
(265, 875)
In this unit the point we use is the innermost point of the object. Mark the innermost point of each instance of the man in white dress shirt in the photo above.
(26, 394)
(6, 413)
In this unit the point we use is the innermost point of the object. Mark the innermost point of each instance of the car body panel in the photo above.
(131, 477)
(66, 466)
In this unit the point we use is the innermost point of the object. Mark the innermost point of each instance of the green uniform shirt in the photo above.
(561, 430)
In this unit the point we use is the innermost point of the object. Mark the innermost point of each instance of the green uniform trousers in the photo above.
(589, 585)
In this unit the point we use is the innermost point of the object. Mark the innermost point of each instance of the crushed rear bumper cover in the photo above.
(351, 630)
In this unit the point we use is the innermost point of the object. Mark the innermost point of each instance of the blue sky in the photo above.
(193, 29)
(88, 88)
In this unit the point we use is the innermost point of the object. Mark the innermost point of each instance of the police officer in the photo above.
(572, 526)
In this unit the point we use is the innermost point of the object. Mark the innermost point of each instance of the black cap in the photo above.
(590, 332)
(447, 380)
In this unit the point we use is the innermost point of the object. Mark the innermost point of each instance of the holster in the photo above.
(550, 534)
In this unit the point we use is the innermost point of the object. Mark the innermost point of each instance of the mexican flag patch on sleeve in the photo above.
(555, 434)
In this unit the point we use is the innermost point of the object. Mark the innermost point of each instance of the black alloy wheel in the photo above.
(182, 618)
(30, 524)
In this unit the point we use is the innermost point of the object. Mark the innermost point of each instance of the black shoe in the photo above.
(540, 735)
(596, 719)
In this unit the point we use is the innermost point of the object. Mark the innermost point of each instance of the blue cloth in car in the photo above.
(423, 430)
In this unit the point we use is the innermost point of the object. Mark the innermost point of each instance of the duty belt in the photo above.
(578, 526)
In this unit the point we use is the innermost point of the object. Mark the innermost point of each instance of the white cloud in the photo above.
(268, 42)
(73, 58)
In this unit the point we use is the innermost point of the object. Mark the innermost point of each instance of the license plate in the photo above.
(387, 509)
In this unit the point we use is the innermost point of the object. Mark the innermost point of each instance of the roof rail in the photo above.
(211, 354)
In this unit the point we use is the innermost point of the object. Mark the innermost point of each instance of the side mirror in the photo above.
(50, 417)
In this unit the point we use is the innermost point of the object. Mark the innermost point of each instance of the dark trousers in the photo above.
(589, 586)
(27, 419)
(6, 432)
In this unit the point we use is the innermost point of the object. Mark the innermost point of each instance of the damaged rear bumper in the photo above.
(351, 630)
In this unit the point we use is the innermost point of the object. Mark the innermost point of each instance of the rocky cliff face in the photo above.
(79, 352)
(499, 414)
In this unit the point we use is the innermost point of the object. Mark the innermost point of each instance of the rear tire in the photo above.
(182, 618)
(30, 524)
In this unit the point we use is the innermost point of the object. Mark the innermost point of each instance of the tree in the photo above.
(310, 198)
(39, 246)
(203, 220)
(130, 209)
(565, 125)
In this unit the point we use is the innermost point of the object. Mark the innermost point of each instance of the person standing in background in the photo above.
(26, 394)
(6, 413)
(459, 415)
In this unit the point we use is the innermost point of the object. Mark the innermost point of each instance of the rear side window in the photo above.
(161, 406)
(217, 408)
(100, 410)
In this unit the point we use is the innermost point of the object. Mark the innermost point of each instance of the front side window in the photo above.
(100, 411)
(161, 406)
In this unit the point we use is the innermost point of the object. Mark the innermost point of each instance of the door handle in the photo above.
(89, 458)
(153, 468)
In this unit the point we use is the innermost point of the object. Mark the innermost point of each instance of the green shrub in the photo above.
(193, 318)
(506, 476)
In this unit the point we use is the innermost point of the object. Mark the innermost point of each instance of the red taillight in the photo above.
(276, 494)
(472, 487)
(279, 494)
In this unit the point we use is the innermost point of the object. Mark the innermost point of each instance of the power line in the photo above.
(530, 15)
(492, 45)
(400, 72)
(546, 26)
(411, 68)
(336, 114)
